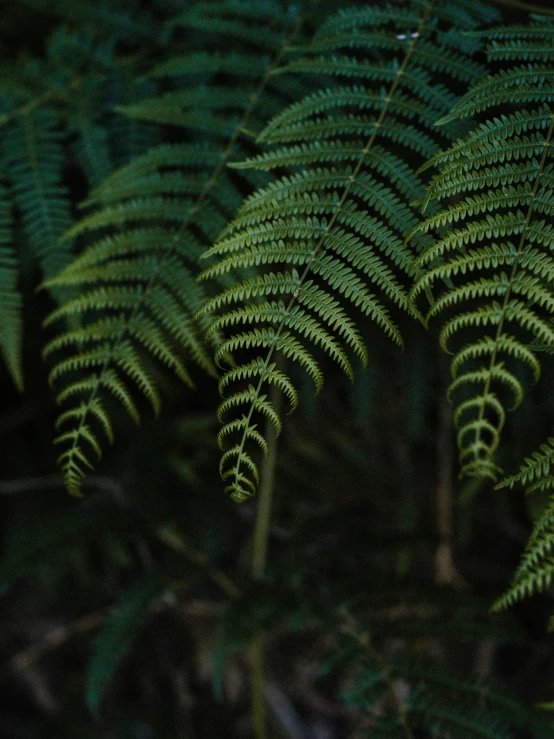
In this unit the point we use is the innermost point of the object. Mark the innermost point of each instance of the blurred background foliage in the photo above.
(128, 613)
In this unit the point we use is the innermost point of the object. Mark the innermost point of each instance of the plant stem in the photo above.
(258, 695)
(259, 559)
(265, 494)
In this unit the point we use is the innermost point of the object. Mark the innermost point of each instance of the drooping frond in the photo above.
(10, 298)
(328, 236)
(490, 266)
(151, 219)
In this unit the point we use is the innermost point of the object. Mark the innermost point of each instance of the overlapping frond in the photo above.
(328, 236)
(490, 266)
(151, 219)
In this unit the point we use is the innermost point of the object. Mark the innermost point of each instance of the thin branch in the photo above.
(259, 559)
(27, 484)
(445, 569)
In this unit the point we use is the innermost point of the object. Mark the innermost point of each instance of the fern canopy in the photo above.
(489, 269)
(327, 237)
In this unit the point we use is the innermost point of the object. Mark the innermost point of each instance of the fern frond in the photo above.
(534, 468)
(492, 248)
(333, 229)
(150, 221)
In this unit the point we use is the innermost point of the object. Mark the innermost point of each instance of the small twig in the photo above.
(57, 636)
(27, 484)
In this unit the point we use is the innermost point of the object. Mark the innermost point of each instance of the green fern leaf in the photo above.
(333, 228)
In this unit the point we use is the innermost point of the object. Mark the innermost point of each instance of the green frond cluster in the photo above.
(490, 267)
(329, 235)
(150, 220)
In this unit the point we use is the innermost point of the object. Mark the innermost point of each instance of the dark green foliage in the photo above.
(54, 117)
(240, 190)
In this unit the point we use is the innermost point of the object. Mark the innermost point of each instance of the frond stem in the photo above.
(259, 559)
